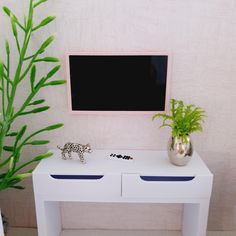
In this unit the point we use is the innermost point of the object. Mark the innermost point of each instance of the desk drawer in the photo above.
(136, 185)
(77, 187)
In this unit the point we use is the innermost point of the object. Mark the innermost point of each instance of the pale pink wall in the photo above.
(201, 36)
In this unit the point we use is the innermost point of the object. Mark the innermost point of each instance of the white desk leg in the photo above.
(48, 218)
(195, 217)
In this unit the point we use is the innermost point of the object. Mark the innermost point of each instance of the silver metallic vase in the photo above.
(180, 150)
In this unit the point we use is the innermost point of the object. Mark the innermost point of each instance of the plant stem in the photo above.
(21, 60)
(3, 96)
(8, 113)
(3, 133)
(8, 75)
(25, 104)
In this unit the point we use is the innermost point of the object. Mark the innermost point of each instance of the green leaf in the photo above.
(53, 71)
(29, 57)
(12, 181)
(44, 22)
(47, 20)
(35, 159)
(55, 82)
(40, 109)
(42, 156)
(21, 133)
(52, 127)
(47, 59)
(1, 70)
(36, 110)
(45, 44)
(12, 134)
(30, 17)
(49, 75)
(38, 142)
(8, 148)
(7, 10)
(17, 178)
(39, 2)
(7, 47)
(32, 77)
(17, 153)
(37, 102)
(21, 176)
(11, 15)
(11, 163)
(40, 84)
(13, 25)
(17, 187)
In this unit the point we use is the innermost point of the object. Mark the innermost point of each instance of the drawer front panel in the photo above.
(78, 187)
(139, 186)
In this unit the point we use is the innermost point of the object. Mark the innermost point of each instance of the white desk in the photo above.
(150, 178)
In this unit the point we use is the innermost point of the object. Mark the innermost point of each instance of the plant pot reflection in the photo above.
(180, 150)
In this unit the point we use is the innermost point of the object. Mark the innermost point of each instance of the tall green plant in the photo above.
(26, 69)
(183, 119)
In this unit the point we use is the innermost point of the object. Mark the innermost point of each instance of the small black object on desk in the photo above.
(119, 156)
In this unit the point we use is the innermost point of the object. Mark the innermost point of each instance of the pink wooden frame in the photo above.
(149, 113)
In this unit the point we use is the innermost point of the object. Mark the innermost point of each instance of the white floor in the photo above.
(135, 233)
(33, 232)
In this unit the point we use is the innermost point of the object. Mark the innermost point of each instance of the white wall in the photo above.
(201, 36)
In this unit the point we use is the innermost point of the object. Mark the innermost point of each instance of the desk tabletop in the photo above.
(146, 162)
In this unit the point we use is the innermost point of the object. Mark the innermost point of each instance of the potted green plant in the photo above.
(12, 141)
(183, 120)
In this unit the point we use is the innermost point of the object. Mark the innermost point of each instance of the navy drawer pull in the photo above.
(167, 178)
(77, 176)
